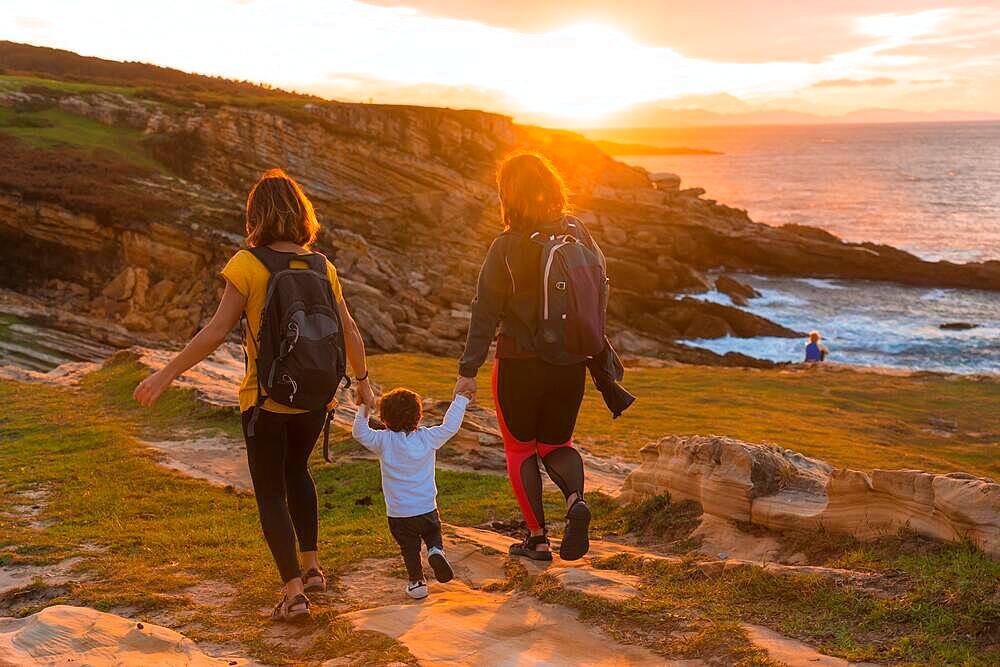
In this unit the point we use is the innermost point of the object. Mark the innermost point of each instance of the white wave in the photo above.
(935, 295)
(777, 298)
(820, 283)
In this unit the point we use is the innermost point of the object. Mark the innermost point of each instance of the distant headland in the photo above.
(615, 148)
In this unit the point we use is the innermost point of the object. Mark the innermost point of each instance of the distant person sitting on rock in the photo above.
(282, 420)
(406, 454)
(815, 351)
(538, 383)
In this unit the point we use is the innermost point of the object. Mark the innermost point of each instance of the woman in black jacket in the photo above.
(537, 402)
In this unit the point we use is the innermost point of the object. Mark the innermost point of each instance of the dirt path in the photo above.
(476, 619)
(465, 623)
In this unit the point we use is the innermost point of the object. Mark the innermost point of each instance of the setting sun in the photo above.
(566, 68)
(493, 333)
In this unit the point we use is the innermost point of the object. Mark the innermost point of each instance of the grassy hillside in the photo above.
(858, 419)
(51, 128)
(147, 535)
(29, 61)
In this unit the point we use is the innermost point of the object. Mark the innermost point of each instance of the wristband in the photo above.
(362, 378)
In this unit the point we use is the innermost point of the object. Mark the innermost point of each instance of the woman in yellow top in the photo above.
(278, 216)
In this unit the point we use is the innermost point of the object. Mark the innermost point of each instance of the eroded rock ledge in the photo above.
(780, 489)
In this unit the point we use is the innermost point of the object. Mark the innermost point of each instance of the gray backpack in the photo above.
(574, 297)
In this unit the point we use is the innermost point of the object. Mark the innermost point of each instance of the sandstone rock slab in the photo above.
(792, 652)
(467, 627)
(63, 634)
(605, 584)
(781, 489)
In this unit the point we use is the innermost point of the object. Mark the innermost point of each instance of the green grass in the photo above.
(54, 127)
(19, 82)
(950, 615)
(178, 409)
(856, 419)
(147, 534)
(654, 519)
(158, 532)
(172, 95)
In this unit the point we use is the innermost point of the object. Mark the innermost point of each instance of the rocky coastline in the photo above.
(406, 198)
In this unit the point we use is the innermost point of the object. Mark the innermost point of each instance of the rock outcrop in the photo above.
(65, 635)
(738, 292)
(781, 489)
(407, 201)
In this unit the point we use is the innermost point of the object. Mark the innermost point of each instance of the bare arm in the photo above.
(203, 344)
(356, 358)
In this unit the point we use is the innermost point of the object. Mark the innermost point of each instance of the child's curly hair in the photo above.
(400, 410)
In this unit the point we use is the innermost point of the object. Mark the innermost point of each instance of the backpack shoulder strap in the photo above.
(576, 228)
(276, 261)
(316, 262)
(272, 260)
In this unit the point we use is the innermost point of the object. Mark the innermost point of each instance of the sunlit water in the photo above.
(874, 324)
(932, 189)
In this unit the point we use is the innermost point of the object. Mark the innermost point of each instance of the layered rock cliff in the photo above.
(407, 202)
(780, 489)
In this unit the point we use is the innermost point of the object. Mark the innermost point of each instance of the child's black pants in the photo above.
(409, 531)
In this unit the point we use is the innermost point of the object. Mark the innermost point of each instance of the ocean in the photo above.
(932, 189)
(873, 324)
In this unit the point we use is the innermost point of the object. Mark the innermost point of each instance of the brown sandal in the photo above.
(314, 581)
(295, 610)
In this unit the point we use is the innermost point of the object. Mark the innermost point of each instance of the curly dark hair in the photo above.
(400, 410)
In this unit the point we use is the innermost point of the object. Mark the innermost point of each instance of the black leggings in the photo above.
(537, 406)
(278, 454)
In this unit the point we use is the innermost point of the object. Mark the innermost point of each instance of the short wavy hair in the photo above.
(278, 210)
(531, 191)
(400, 410)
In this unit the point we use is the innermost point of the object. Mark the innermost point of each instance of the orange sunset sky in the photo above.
(574, 62)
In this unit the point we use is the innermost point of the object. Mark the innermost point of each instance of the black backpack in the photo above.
(301, 357)
(574, 297)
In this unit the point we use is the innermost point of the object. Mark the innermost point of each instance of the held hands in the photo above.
(363, 395)
(150, 389)
(466, 387)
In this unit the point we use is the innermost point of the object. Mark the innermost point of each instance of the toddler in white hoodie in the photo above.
(407, 455)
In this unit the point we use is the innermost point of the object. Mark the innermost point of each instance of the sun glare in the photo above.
(579, 72)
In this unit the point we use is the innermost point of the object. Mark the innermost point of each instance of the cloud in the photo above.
(565, 58)
(30, 23)
(730, 31)
(854, 83)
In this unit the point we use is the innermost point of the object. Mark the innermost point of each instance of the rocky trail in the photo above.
(476, 619)
(495, 611)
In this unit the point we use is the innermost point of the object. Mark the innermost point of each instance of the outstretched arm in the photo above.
(356, 357)
(363, 433)
(451, 424)
(203, 344)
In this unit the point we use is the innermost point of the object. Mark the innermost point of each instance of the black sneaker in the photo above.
(439, 563)
(576, 541)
